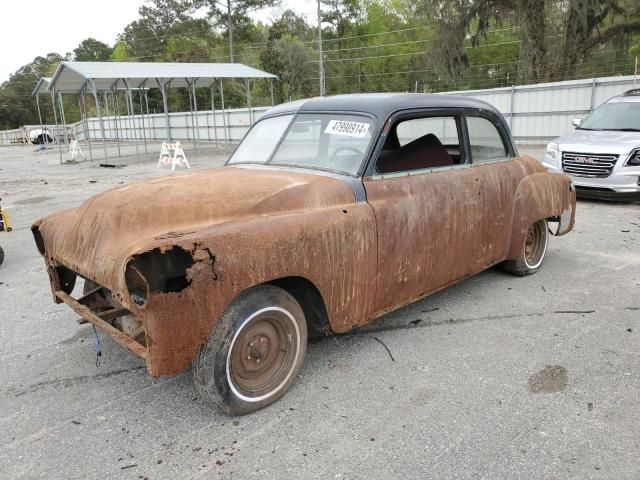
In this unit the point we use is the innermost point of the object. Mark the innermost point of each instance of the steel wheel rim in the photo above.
(535, 244)
(263, 354)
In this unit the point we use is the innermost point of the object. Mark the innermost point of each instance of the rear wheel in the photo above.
(255, 352)
(532, 252)
(1, 255)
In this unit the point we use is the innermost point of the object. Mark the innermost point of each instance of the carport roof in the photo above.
(42, 85)
(71, 77)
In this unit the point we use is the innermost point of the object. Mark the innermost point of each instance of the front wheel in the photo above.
(255, 352)
(1, 255)
(532, 252)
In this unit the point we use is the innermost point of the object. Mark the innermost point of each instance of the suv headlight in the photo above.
(552, 150)
(634, 159)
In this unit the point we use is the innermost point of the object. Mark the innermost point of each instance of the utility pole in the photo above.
(230, 30)
(320, 50)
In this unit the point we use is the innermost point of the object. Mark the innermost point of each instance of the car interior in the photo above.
(424, 152)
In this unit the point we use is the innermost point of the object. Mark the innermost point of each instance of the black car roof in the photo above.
(380, 105)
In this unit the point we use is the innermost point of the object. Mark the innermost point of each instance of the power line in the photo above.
(349, 59)
(367, 35)
(432, 69)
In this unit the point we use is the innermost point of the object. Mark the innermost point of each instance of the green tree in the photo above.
(92, 50)
(232, 14)
(340, 14)
(581, 26)
(160, 20)
(18, 106)
(290, 23)
(593, 23)
(290, 59)
(121, 52)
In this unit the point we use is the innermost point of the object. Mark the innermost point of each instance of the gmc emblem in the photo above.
(584, 160)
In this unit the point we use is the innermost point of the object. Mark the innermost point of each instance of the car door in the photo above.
(437, 221)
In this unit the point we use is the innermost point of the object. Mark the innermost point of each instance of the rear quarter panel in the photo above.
(542, 195)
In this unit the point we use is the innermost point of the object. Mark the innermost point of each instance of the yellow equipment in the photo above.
(5, 226)
(5, 222)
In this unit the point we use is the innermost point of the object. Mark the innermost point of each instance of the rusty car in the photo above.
(330, 213)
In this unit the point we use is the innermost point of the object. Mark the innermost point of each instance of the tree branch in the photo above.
(611, 33)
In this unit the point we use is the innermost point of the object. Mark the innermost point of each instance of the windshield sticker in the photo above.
(348, 129)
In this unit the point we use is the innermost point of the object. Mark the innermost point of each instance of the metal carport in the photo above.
(112, 77)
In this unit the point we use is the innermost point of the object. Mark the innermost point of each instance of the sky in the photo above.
(46, 27)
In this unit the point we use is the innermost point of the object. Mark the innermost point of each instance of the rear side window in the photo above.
(485, 139)
(444, 128)
(421, 143)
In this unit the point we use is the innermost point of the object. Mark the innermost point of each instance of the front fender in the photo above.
(333, 248)
(539, 196)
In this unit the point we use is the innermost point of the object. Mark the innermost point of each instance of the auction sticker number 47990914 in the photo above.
(349, 129)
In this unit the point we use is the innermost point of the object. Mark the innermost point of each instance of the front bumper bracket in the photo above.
(120, 337)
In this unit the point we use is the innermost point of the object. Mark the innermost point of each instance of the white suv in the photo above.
(602, 156)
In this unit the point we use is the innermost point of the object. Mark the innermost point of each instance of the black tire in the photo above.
(532, 252)
(264, 323)
(1, 256)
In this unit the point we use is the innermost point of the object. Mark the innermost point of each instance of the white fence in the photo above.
(541, 112)
(535, 113)
(228, 126)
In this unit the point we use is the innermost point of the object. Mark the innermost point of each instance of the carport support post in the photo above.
(133, 120)
(227, 134)
(108, 113)
(131, 114)
(84, 117)
(247, 84)
(126, 134)
(593, 95)
(63, 119)
(55, 117)
(271, 91)
(40, 115)
(208, 122)
(105, 97)
(92, 85)
(116, 107)
(144, 129)
(150, 120)
(193, 106)
(213, 110)
(163, 89)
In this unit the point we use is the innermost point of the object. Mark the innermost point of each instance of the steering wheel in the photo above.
(348, 149)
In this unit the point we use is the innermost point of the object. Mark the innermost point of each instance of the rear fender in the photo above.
(542, 196)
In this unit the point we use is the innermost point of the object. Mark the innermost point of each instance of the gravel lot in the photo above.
(498, 377)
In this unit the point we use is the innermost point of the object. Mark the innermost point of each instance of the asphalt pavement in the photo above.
(497, 377)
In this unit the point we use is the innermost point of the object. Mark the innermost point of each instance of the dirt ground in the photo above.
(495, 378)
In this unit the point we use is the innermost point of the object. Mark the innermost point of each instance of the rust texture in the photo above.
(437, 229)
(243, 227)
(174, 252)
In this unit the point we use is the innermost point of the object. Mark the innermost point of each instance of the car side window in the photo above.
(486, 142)
(421, 143)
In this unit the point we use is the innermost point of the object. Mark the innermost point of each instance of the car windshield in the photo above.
(327, 141)
(623, 116)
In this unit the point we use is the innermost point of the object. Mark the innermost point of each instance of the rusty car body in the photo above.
(353, 206)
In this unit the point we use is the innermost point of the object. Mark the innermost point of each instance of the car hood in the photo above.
(96, 238)
(599, 141)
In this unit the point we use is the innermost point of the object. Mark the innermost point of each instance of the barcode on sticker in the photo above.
(349, 129)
